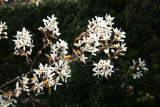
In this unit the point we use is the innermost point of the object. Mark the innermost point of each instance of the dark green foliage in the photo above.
(139, 19)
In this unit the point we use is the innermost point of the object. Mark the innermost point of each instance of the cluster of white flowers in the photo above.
(138, 68)
(101, 28)
(6, 101)
(103, 68)
(59, 50)
(3, 27)
(58, 70)
(24, 41)
(21, 86)
(46, 76)
(101, 36)
(49, 76)
(51, 25)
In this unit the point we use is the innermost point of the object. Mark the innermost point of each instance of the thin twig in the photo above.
(31, 71)
(2, 91)
(7, 83)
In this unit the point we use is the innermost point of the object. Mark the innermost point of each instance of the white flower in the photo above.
(52, 25)
(38, 87)
(7, 102)
(18, 90)
(103, 68)
(119, 36)
(97, 72)
(61, 75)
(94, 50)
(38, 72)
(43, 69)
(3, 103)
(142, 64)
(50, 82)
(137, 74)
(56, 83)
(138, 68)
(78, 44)
(109, 19)
(83, 58)
(59, 50)
(35, 79)
(3, 27)
(24, 81)
(23, 39)
(62, 44)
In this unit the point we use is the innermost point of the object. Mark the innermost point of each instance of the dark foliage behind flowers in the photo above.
(140, 21)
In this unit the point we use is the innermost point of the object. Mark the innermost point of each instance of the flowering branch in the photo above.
(101, 36)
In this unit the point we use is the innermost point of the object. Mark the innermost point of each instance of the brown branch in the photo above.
(31, 71)
(31, 67)
(7, 83)
(2, 91)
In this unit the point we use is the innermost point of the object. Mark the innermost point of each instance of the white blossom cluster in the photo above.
(51, 25)
(23, 41)
(138, 68)
(3, 27)
(6, 101)
(103, 68)
(54, 73)
(101, 36)
(51, 75)
(21, 86)
(59, 50)
(46, 76)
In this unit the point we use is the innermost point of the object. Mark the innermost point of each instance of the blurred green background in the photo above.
(138, 18)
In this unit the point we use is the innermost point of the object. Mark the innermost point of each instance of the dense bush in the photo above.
(140, 21)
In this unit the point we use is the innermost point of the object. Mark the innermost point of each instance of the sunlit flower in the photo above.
(56, 83)
(24, 81)
(7, 101)
(3, 27)
(103, 68)
(38, 87)
(18, 90)
(51, 25)
(83, 58)
(23, 40)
